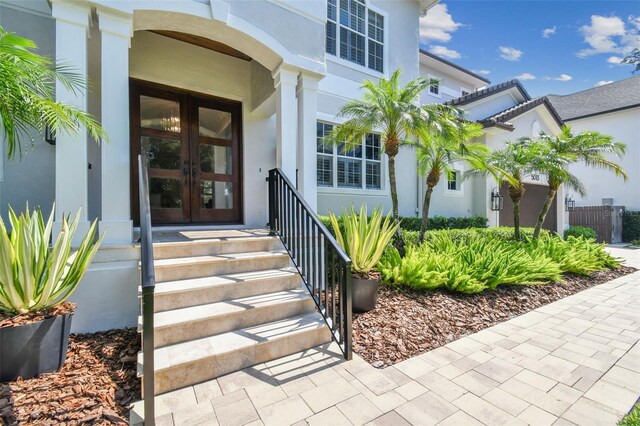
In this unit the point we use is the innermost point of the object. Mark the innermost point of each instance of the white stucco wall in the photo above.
(31, 178)
(624, 126)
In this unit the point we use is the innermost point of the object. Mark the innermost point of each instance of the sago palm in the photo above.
(27, 94)
(391, 109)
(560, 152)
(437, 150)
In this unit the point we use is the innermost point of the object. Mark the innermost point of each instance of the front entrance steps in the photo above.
(226, 300)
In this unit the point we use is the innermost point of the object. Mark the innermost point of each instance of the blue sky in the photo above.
(551, 46)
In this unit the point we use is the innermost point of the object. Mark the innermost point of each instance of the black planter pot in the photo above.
(365, 294)
(35, 348)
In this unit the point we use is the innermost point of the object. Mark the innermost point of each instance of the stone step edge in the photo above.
(302, 297)
(198, 260)
(288, 272)
(319, 324)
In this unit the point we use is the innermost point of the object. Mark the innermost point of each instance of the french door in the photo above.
(193, 145)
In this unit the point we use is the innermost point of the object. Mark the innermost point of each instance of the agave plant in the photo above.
(364, 239)
(35, 275)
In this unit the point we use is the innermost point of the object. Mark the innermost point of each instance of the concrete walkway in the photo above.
(630, 254)
(575, 361)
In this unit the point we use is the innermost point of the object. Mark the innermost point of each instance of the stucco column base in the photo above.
(81, 231)
(116, 231)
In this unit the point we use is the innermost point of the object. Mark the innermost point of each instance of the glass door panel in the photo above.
(215, 152)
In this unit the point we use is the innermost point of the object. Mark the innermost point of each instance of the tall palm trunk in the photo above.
(432, 180)
(516, 193)
(551, 195)
(391, 149)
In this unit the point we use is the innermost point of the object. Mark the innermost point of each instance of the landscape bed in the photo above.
(96, 385)
(407, 322)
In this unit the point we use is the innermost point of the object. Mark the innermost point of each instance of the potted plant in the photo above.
(36, 279)
(364, 239)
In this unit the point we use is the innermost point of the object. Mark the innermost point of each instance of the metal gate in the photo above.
(605, 220)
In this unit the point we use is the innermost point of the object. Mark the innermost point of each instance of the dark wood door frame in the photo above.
(189, 103)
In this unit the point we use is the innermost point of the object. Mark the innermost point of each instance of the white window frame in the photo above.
(385, 44)
(363, 179)
(439, 79)
(455, 192)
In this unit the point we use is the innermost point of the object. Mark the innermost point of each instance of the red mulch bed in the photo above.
(407, 323)
(96, 385)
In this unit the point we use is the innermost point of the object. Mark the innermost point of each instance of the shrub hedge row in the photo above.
(631, 226)
(436, 222)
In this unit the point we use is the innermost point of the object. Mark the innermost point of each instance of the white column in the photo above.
(285, 80)
(72, 24)
(116, 31)
(307, 118)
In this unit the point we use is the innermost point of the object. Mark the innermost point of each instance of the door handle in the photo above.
(186, 172)
(194, 174)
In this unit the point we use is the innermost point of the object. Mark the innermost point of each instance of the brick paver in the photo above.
(575, 361)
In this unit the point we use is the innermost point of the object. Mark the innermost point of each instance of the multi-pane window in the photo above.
(434, 87)
(355, 33)
(454, 181)
(325, 156)
(359, 167)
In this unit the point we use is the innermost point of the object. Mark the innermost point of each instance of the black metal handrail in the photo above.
(148, 279)
(323, 265)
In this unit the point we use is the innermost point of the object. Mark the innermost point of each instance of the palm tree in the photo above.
(512, 164)
(589, 148)
(391, 109)
(437, 151)
(27, 97)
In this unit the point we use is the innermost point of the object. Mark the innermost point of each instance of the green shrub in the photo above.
(580, 231)
(436, 222)
(441, 222)
(470, 261)
(631, 226)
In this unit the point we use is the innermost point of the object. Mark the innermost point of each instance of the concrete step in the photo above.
(198, 291)
(215, 246)
(181, 325)
(195, 361)
(214, 265)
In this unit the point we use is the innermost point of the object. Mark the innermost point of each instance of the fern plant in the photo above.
(35, 275)
(363, 239)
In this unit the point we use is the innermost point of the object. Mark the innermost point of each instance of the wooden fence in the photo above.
(606, 220)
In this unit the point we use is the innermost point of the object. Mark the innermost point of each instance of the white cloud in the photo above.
(525, 76)
(548, 32)
(615, 60)
(510, 53)
(561, 77)
(603, 82)
(443, 51)
(437, 25)
(609, 34)
(482, 72)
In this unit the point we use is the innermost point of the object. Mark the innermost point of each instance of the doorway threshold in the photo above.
(178, 228)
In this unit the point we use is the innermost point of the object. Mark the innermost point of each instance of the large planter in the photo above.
(35, 348)
(365, 294)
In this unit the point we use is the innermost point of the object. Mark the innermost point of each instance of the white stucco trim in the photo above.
(306, 11)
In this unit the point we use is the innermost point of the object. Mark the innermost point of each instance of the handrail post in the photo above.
(272, 202)
(348, 311)
(148, 281)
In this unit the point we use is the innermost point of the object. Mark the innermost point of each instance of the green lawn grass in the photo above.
(633, 418)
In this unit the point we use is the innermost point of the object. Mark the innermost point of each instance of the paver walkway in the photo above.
(575, 361)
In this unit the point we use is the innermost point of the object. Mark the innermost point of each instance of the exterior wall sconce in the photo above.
(49, 136)
(497, 200)
(569, 204)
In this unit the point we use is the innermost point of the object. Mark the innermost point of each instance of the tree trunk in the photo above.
(545, 209)
(516, 193)
(516, 220)
(394, 190)
(432, 180)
